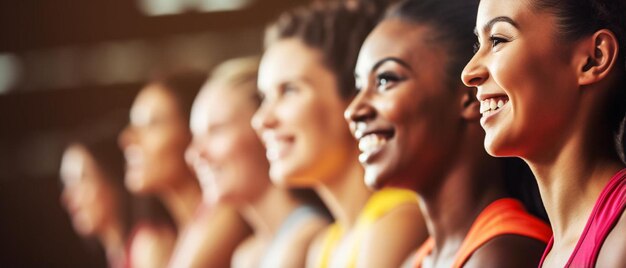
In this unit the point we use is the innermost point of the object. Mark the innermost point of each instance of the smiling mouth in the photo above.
(492, 105)
(372, 143)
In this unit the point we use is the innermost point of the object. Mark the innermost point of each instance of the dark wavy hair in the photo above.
(337, 29)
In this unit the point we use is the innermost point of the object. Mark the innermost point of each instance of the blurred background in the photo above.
(64, 63)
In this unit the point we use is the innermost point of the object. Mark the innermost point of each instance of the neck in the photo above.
(465, 187)
(268, 212)
(182, 201)
(571, 177)
(345, 194)
(112, 239)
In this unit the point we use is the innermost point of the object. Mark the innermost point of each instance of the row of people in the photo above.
(544, 83)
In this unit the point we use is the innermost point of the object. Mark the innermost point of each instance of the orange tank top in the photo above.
(504, 216)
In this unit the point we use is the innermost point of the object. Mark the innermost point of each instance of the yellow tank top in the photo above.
(379, 204)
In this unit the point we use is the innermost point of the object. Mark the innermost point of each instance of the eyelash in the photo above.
(494, 40)
(288, 89)
(389, 79)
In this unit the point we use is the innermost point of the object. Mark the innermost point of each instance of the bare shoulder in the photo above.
(508, 251)
(300, 241)
(315, 248)
(614, 247)
(152, 246)
(248, 253)
(401, 231)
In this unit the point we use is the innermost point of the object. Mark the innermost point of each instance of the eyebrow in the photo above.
(393, 59)
(495, 20)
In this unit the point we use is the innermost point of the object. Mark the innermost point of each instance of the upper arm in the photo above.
(613, 250)
(399, 233)
(295, 251)
(508, 251)
(315, 248)
(152, 247)
(210, 240)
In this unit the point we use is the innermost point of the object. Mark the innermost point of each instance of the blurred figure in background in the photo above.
(230, 162)
(306, 78)
(154, 143)
(92, 175)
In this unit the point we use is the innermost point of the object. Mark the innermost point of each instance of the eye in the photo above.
(495, 41)
(387, 80)
(288, 89)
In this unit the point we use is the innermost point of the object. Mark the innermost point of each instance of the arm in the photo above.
(613, 252)
(211, 239)
(295, 251)
(393, 238)
(315, 249)
(151, 247)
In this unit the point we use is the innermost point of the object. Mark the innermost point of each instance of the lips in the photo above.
(371, 142)
(276, 146)
(134, 157)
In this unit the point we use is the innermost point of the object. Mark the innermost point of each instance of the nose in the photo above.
(264, 118)
(360, 109)
(194, 152)
(475, 72)
(125, 137)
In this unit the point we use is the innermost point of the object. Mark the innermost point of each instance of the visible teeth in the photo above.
(490, 105)
(371, 142)
(271, 153)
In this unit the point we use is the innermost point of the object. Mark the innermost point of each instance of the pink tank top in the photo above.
(605, 214)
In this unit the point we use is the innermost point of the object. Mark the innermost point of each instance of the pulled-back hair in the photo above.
(577, 19)
(452, 23)
(337, 29)
(183, 85)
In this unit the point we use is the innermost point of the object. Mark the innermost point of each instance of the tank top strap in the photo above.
(378, 205)
(331, 239)
(605, 214)
(505, 216)
(423, 251)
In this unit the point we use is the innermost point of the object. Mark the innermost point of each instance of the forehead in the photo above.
(156, 95)
(73, 164)
(400, 39)
(153, 99)
(217, 101)
(287, 60)
(514, 9)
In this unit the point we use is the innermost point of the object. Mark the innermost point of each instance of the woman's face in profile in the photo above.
(226, 154)
(526, 78)
(300, 120)
(154, 142)
(406, 115)
(88, 197)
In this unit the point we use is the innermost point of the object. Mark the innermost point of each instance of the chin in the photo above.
(374, 180)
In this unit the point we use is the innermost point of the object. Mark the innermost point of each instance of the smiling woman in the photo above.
(418, 129)
(230, 162)
(559, 68)
(306, 80)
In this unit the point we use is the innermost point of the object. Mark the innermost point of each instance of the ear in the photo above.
(469, 104)
(598, 54)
